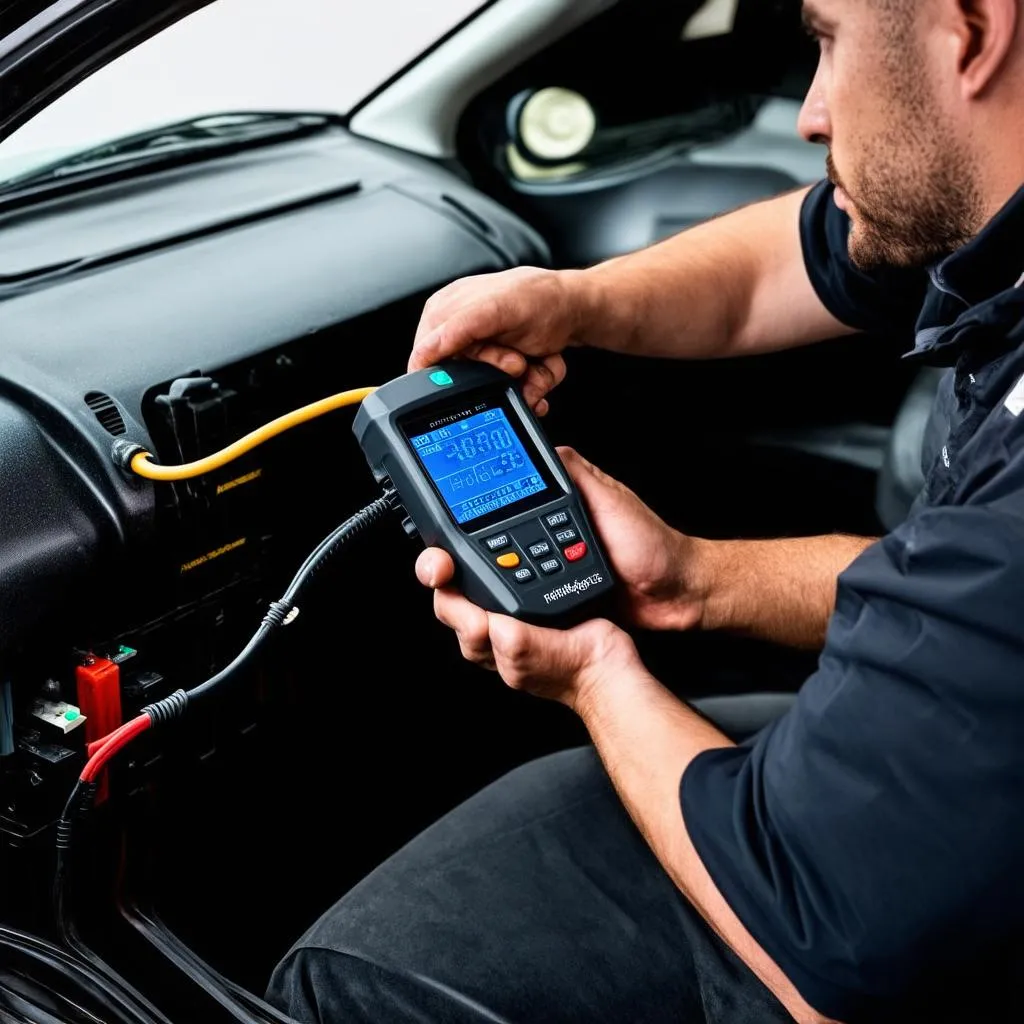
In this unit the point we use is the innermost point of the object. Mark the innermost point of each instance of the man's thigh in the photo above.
(536, 900)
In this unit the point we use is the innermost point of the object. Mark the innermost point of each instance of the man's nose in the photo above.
(814, 123)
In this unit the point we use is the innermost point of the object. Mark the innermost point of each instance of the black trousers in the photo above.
(535, 901)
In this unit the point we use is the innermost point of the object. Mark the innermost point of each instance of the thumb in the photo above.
(595, 486)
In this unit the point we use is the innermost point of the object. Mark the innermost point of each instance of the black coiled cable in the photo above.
(280, 612)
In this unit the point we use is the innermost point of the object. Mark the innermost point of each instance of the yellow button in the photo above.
(509, 561)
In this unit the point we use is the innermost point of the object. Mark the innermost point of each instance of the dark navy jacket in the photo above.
(872, 840)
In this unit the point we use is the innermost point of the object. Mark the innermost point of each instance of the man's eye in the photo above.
(820, 37)
(824, 42)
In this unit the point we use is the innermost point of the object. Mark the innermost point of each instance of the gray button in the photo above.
(557, 519)
(552, 565)
(541, 549)
(523, 575)
(567, 537)
(497, 543)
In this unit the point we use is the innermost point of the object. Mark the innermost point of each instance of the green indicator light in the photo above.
(441, 379)
(71, 715)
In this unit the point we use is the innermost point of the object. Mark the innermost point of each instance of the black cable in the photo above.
(80, 799)
(280, 611)
(119, 993)
(116, 990)
(66, 966)
(21, 994)
(244, 1005)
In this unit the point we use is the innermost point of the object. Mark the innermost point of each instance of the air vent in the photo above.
(106, 412)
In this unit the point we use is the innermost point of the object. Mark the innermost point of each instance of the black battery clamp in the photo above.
(477, 477)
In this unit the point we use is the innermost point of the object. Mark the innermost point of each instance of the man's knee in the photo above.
(536, 790)
(432, 924)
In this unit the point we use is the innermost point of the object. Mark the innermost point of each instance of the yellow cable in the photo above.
(143, 465)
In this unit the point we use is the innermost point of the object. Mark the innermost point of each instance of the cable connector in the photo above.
(80, 801)
(122, 452)
(280, 614)
(168, 709)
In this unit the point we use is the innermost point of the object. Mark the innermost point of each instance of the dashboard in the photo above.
(179, 311)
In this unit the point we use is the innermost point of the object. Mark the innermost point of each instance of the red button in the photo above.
(576, 552)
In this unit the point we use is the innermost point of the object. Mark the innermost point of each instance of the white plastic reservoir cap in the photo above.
(557, 124)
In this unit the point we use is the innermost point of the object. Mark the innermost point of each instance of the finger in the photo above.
(435, 568)
(504, 358)
(469, 623)
(543, 407)
(432, 316)
(476, 322)
(540, 379)
(556, 364)
(590, 480)
(603, 494)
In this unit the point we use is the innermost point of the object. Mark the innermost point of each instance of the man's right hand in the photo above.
(658, 568)
(518, 320)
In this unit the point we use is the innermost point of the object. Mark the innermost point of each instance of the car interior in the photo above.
(179, 300)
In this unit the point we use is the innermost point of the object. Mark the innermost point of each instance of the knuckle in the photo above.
(473, 649)
(476, 638)
(543, 370)
(514, 679)
(435, 301)
(517, 648)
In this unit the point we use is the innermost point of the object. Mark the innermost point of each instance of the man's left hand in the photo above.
(562, 665)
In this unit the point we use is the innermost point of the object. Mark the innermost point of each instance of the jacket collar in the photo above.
(976, 287)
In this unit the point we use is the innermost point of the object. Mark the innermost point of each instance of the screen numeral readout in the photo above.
(478, 464)
(485, 472)
(470, 446)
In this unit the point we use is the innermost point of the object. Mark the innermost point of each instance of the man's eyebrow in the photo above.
(814, 21)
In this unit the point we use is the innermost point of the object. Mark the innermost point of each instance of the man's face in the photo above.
(898, 153)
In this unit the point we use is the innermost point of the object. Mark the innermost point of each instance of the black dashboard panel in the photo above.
(52, 524)
(284, 274)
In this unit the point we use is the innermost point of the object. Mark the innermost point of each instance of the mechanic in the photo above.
(862, 858)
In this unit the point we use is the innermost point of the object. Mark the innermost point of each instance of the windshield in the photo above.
(236, 55)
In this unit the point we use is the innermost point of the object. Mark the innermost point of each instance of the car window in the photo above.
(237, 55)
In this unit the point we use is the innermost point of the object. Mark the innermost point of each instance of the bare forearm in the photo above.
(778, 590)
(646, 739)
(733, 286)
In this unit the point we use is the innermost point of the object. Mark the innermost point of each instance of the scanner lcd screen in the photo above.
(479, 465)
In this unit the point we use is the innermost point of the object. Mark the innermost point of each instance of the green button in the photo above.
(70, 715)
(441, 379)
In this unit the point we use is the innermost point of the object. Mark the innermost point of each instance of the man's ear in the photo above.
(985, 33)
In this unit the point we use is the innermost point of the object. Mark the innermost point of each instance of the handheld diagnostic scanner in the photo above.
(477, 477)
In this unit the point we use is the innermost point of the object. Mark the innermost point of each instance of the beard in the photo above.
(912, 204)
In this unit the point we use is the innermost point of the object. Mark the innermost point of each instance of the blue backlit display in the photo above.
(479, 465)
